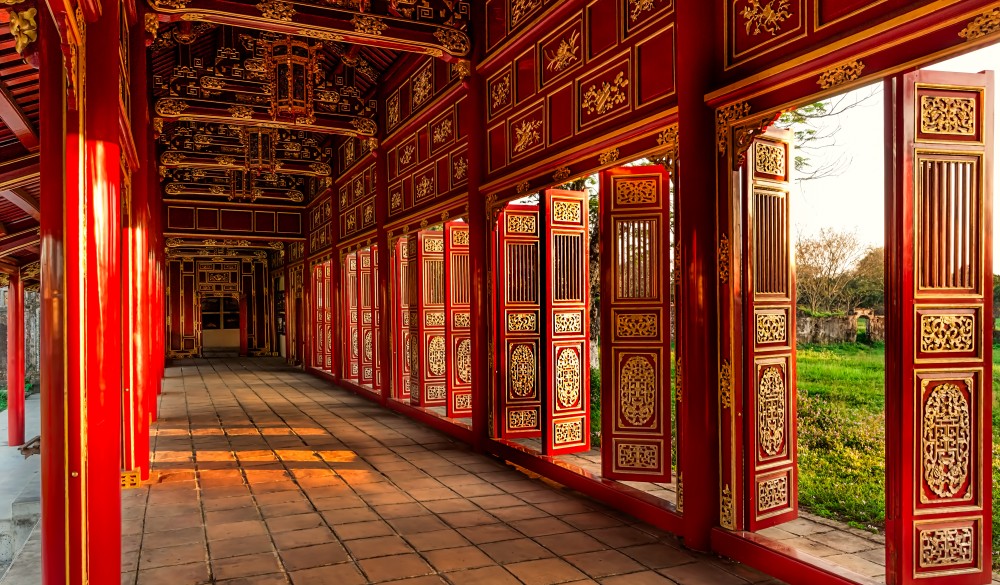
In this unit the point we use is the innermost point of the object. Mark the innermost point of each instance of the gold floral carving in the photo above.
(770, 327)
(668, 137)
(944, 547)
(521, 224)
(460, 237)
(463, 402)
(463, 361)
(564, 54)
(434, 319)
(724, 259)
(434, 245)
(171, 107)
(566, 211)
(521, 9)
(603, 100)
(321, 35)
(946, 333)
(561, 174)
(425, 188)
(568, 432)
(680, 491)
(772, 493)
(392, 110)
(636, 325)
(172, 158)
(635, 191)
(456, 42)
(276, 10)
(462, 321)
(24, 28)
(436, 356)
(4, 279)
(724, 119)
(460, 168)
(442, 132)
(637, 391)
(423, 86)
(769, 159)
(523, 187)
(396, 201)
(462, 68)
(521, 367)
(369, 25)
(501, 91)
(568, 377)
(522, 419)
(568, 323)
(841, 74)
(241, 112)
(407, 156)
(436, 392)
(947, 115)
(727, 513)
(726, 384)
(638, 7)
(760, 18)
(638, 456)
(365, 126)
(517, 322)
(608, 156)
(946, 440)
(771, 410)
(527, 134)
(983, 25)
(368, 345)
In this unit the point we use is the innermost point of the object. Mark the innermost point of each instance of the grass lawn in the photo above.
(842, 434)
(3, 400)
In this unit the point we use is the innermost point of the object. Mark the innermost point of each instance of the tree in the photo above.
(825, 267)
(867, 287)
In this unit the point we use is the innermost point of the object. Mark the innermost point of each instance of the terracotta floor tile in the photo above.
(169, 556)
(271, 579)
(174, 538)
(515, 551)
(395, 568)
(234, 515)
(490, 533)
(438, 539)
(417, 524)
(570, 543)
(300, 538)
(319, 555)
(343, 574)
(235, 529)
(545, 571)
(701, 574)
(642, 578)
(542, 526)
(362, 530)
(381, 546)
(220, 549)
(190, 574)
(657, 555)
(604, 563)
(486, 575)
(621, 536)
(456, 559)
(294, 522)
(466, 519)
(245, 566)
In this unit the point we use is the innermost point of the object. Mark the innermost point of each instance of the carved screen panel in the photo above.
(366, 317)
(319, 317)
(635, 319)
(938, 351)
(352, 332)
(377, 376)
(328, 315)
(457, 319)
(432, 348)
(769, 424)
(518, 297)
(567, 335)
(401, 315)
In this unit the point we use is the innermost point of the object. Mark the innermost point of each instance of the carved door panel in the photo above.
(352, 326)
(432, 348)
(457, 319)
(377, 376)
(518, 293)
(770, 457)
(939, 329)
(404, 340)
(319, 316)
(635, 324)
(566, 324)
(367, 339)
(328, 314)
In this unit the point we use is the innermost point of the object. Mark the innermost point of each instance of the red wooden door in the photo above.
(567, 334)
(366, 316)
(373, 283)
(328, 314)
(431, 346)
(939, 328)
(404, 341)
(769, 437)
(458, 331)
(517, 285)
(319, 317)
(352, 327)
(635, 324)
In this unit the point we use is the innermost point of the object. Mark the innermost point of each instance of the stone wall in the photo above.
(838, 329)
(32, 316)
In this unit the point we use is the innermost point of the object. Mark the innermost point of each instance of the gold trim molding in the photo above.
(987, 23)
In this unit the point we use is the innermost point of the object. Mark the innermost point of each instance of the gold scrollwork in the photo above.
(500, 93)
(569, 432)
(521, 9)
(841, 74)
(442, 132)
(983, 25)
(668, 137)
(566, 211)
(523, 187)
(522, 419)
(521, 224)
(638, 456)
(636, 325)
(635, 191)
(171, 107)
(724, 119)
(772, 493)
(947, 333)
(365, 126)
(568, 323)
(519, 322)
(724, 259)
(726, 384)
(637, 391)
(564, 54)
(23, 28)
(434, 319)
(727, 513)
(603, 100)
(771, 410)
(369, 25)
(522, 371)
(946, 440)
(460, 168)
(434, 245)
(608, 156)
(680, 491)
(638, 7)
(947, 115)
(769, 159)
(276, 10)
(423, 86)
(436, 392)
(241, 112)
(561, 174)
(436, 356)
(456, 42)
(568, 377)
(462, 320)
(765, 18)
(463, 402)
(770, 327)
(463, 361)
(527, 134)
(425, 188)
(944, 547)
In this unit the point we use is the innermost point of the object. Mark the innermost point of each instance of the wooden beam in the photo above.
(19, 172)
(19, 241)
(23, 200)
(200, 111)
(13, 117)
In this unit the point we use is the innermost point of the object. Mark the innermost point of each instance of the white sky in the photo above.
(854, 199)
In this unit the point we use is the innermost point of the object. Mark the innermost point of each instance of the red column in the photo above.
(15, 361)
(383, 274)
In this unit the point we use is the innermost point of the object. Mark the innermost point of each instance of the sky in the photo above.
(852, 200)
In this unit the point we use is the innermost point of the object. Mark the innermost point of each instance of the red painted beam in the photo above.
(13, 117)
(24, 200)
(18, 241)
(15, 361)
(19, 171)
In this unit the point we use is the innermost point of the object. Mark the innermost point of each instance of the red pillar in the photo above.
(15, 361)
(384, 275)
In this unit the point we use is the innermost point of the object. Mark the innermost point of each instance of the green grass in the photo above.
(3, 400)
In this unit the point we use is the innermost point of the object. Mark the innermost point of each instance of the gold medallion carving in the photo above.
(434, 319)
(566, 211)
(608, 156)
(947, 333)
(841, 74)
(946, 440)
(425, 188)
(603, 100)
(368, 25)
(568, 378)
(463, 402)
(771, 327)
(638, 456)
(527, 134)
(462, 320)
(460, 237)
(568, 323)
(765, 18)
(945, 547)
(564, 54)
(769, 159)
(434, 245)
(368, 345)
(521, 224)
(436, 356)
(771, 410)
(637, 391)
(983, 25)
(635, 191)
(436, 392)
(520, 322)
(423, 86)
(460, 168)
(521, 367)
(276, 10)
(463, 361)
(642, 325)
(442, 132)
(772, 493)
(522, 419)
(568, 432)
(947, 115)
(561, 174)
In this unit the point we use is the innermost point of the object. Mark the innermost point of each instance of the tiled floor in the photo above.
(266, 475)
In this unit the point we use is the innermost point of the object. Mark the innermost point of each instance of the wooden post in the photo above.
(15, 360)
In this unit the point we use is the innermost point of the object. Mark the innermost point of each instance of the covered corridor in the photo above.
(263, 474)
